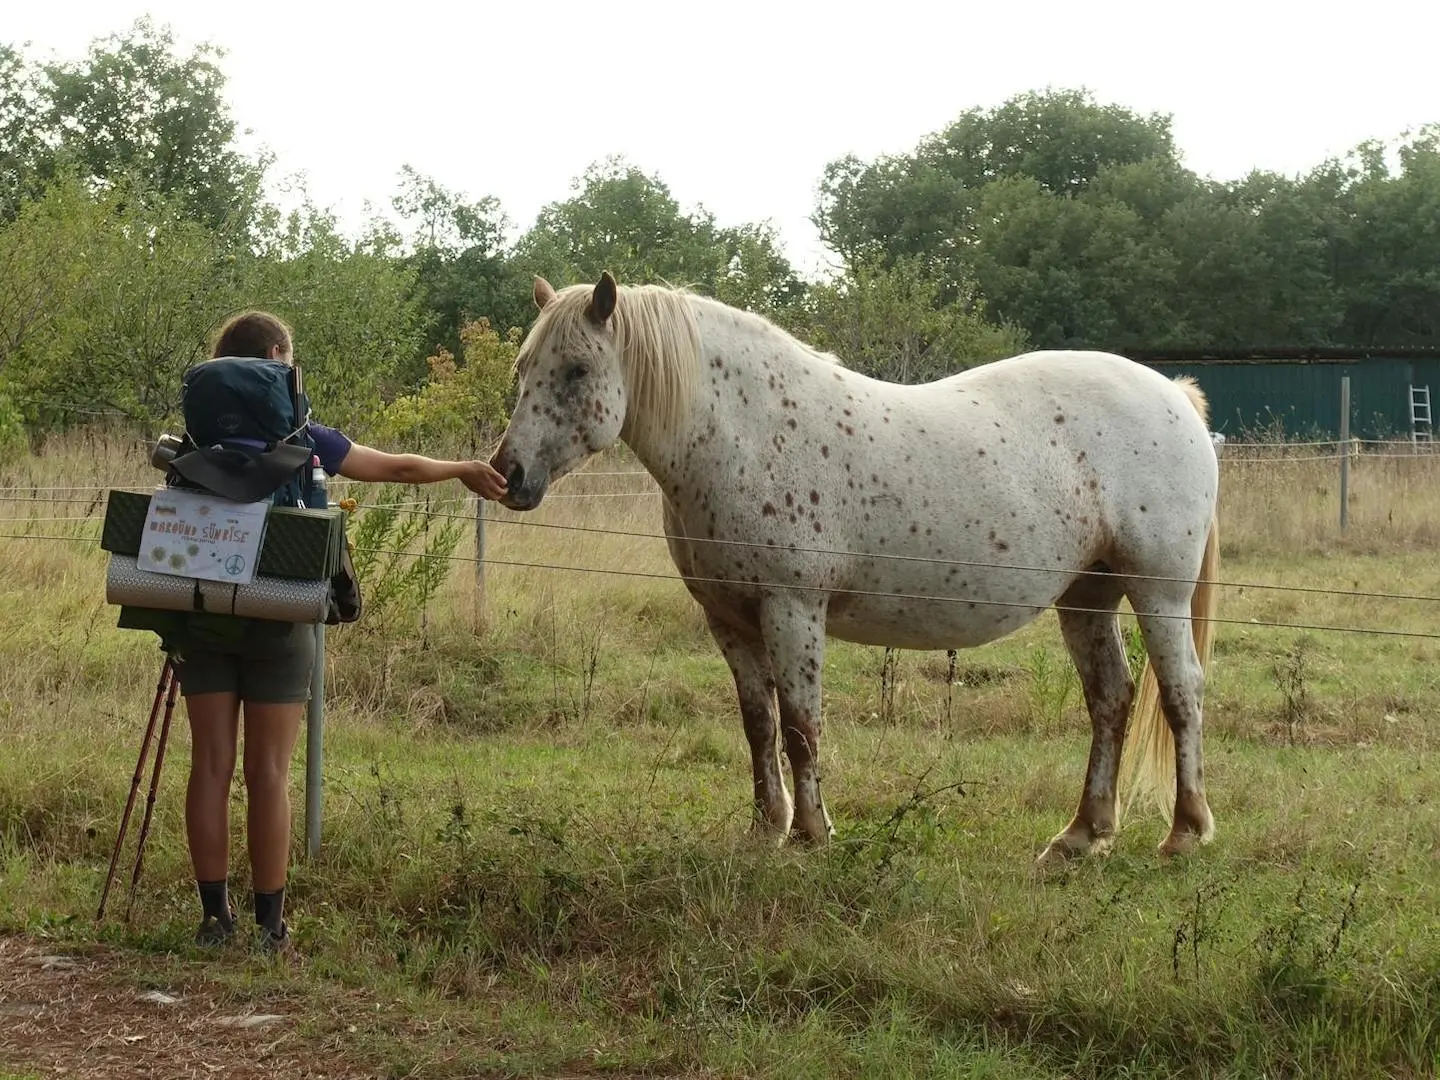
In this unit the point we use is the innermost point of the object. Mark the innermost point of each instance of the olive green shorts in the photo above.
(268, 670)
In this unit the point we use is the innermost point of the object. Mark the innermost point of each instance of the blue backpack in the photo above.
(246, 432)
(247, 439)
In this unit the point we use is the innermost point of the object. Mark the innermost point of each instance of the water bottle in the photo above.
(317, 484)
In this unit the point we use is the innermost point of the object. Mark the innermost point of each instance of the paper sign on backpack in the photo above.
(189, 534)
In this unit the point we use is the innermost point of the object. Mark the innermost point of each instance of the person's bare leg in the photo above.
(214, 723)
(270, 734)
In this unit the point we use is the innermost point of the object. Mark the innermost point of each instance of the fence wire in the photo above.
(893, 596)
(423, 508)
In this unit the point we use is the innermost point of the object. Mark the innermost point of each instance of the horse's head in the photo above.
(572, 394)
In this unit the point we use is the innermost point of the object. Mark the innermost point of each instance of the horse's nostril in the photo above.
(516, 479)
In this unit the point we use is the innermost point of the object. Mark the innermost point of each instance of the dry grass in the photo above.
(1277, 501)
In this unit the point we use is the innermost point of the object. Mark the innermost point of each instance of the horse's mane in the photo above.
(659, 341)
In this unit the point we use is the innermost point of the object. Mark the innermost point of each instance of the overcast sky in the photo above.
(739, 105)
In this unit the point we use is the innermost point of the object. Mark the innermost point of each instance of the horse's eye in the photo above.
(577, 371)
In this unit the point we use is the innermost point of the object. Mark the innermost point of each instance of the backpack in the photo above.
(245, 439)
(246, 434)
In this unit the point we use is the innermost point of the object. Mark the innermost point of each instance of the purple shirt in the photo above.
(331, 446)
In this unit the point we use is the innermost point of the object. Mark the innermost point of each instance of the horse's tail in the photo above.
(1195, 394)
(1147, 762)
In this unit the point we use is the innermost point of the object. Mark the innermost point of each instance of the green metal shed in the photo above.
(1295, 393)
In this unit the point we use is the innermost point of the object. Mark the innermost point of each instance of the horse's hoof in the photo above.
(812, 837)
(1184, 843)
(813, 829)
(767, 835)
(802, 838)
(1186, 837)
(1068, 846)
(771, 824)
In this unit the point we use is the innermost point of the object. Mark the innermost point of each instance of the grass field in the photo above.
(537, 858)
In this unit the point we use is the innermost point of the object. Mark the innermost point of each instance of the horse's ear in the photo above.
(602, 300)
(544, 292)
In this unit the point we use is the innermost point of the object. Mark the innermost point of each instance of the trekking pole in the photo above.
(166, 674)
(150, 798)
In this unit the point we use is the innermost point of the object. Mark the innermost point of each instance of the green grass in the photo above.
(537, 852)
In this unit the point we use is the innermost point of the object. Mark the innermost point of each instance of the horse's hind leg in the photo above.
(1093, 639)
(755, 687)
(1164, 613)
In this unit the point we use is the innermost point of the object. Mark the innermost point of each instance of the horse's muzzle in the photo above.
(523, 491)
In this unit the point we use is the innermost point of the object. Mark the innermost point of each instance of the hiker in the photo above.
(266, 668)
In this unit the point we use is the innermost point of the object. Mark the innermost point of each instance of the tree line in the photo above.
(131, 222)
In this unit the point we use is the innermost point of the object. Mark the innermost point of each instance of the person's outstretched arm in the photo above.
(376, 466)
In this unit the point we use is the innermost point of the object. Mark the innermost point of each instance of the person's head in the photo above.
(255, 334)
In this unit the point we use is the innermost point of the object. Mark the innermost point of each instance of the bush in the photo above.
(462, 406)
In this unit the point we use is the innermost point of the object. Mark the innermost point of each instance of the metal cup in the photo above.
(166, 447)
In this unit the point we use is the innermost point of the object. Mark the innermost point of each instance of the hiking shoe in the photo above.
(280, 945)
(214, 933)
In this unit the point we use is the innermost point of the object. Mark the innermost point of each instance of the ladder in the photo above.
(1420, 429)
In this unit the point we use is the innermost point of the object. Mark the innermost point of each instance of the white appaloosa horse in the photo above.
(802, 500)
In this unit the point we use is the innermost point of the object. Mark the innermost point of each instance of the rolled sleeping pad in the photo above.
(295, 600)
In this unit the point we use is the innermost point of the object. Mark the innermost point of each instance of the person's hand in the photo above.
(481, 478)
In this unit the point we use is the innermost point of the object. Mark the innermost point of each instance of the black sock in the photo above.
(215, 900)
(270, 909)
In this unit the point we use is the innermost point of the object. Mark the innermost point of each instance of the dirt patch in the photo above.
(96, 1012)
(71, 1013)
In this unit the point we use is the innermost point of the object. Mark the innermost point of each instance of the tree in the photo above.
(107, 298)
(115, 296)
(894, 208)
(755, 274)
(1074, 272)
(136, 109)
(39, 265)
(1061, 139)
(622, 220)
(461, 407)
(441, 220)
(888, 322)
(1079, 224)
(357, 320)
(1385, 240)
(927, 204)
(1249, 266)
(627, 222)
(457, 251)
(21, 146)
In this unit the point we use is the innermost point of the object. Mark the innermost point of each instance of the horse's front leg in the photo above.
(755, 687)
(793, 628)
